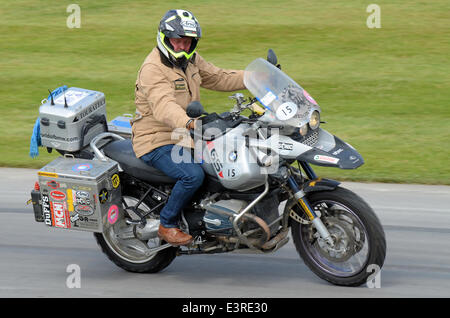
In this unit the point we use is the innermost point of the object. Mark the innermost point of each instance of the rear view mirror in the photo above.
(272, 57)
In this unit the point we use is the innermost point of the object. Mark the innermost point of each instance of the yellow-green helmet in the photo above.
(177, 24)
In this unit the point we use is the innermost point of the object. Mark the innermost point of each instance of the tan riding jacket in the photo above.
(162, 94)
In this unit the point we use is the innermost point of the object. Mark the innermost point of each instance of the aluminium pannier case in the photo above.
(80, 194)
(73, 119)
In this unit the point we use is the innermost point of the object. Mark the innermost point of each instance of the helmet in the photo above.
(177, 24)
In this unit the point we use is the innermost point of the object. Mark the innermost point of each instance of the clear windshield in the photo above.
(285, 100)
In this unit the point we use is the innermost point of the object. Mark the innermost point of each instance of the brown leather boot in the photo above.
(174, 236)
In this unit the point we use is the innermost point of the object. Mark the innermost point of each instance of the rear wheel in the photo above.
(359, 240)
(124, 249)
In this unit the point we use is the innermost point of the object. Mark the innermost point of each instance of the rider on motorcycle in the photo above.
(168, 80)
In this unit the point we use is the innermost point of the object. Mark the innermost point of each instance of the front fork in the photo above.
(300, 196)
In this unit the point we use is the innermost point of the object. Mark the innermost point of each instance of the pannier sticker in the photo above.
(47, 174)
(74, 218)
(58, 195)
(268, 98)
(46, 210)
(83, 188)
(60, 215)
(103, 196)
(115, 180)
(84, 210)
(70, 200)
(82, 167)
(113, 214)
(82, 201)
(53, 184)
(326, 159)
(82, 194)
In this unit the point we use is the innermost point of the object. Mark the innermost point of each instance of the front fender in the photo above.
(320, 184)
(330, 151)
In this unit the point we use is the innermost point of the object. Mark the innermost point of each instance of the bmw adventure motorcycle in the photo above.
(258, 186)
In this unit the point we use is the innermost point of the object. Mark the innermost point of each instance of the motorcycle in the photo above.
(253, 165)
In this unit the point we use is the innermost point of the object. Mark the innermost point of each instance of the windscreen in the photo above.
(284, 99)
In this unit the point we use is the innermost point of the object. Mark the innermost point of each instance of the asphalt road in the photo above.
(37, 261)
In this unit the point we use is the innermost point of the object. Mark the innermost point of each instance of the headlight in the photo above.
(314, 121)
(303, 130)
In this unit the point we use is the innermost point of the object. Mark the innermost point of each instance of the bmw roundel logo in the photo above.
(232, 156)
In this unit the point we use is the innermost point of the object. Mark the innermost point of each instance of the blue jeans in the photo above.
(189, 176)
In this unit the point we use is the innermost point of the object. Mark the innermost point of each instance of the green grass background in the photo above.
(385, 91)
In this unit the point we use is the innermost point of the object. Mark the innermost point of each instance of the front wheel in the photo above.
(359, 240)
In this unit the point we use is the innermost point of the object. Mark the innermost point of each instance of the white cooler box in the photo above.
(79, 194)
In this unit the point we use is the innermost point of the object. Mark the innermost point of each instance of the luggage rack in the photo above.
(93, 144)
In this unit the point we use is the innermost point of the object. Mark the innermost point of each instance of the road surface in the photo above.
(37, 261)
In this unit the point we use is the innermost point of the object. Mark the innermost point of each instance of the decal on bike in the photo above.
(46, 210)
(82, 197)
(309, 97)
(232, 173)
(233, 156)
(84, 210)
(215, 159)
(58, 195)
(267, 99)
(82, 167)
(103, 196)
(47, 174)
(113, 214)
(70, 200)
(286, 111)
(60, 215)
(285, 145)
(326, 159)
(53, 184)
(115, 181)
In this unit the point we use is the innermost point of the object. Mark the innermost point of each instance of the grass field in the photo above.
(386, 91)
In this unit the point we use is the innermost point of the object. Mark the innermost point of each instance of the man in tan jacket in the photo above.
(168, 80)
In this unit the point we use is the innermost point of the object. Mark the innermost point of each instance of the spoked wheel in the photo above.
(358, 237)
(126, 250)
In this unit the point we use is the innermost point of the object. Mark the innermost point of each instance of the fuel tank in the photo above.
(228, 158)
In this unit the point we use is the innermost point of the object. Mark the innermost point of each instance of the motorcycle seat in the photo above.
(122, 152)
